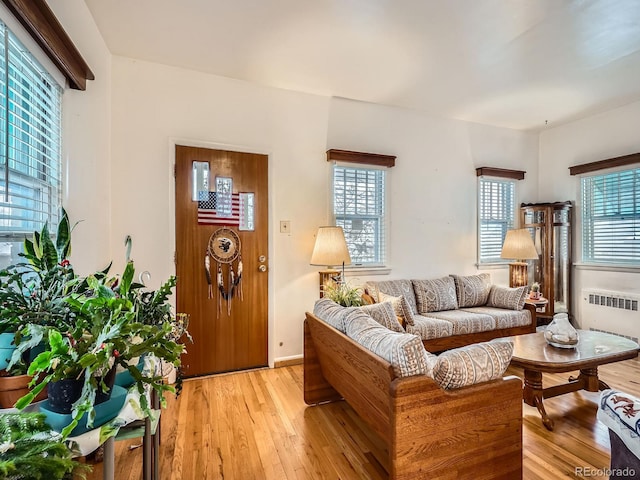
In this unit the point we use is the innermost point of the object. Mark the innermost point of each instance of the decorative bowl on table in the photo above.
(560, 333)
(105, 411)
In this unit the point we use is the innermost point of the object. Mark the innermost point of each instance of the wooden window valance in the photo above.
(500, 173)
(41, 23)
(604, 164)
(361, 158)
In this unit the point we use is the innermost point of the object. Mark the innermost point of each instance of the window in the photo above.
(611, 217)
(30, 138)
(359, 208)
(496, 215)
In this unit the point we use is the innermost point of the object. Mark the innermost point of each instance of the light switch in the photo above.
(285, 226)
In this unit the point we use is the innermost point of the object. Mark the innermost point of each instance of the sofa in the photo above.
(620, 413)
(455, 310)
(448, 416)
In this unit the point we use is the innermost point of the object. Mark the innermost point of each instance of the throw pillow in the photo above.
(332, 313)
(400, 306)
(395, 288)
(472, 290)
(509, 298)
(435, 295)
(384, 314)
(473, 364)
(405, 352)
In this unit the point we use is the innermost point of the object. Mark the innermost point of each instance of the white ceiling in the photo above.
(511, 63)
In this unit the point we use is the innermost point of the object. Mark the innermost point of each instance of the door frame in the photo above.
(190, 142)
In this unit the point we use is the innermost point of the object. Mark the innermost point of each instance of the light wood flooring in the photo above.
(255, 425)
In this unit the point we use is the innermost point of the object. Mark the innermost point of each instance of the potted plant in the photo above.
(344, 294)
(29, 449)
(33, 292)
(535, 291)
(107, 332)
(84, 326)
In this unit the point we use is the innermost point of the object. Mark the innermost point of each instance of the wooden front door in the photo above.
(228, 334)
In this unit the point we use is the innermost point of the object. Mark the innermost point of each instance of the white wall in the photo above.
(607, 135)
(433, 187)
(86, 142)
(155, 106)
(433, 229)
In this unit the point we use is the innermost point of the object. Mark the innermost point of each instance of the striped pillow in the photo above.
(473, 364)
(400, 306)
(384, 314)
(509, 298)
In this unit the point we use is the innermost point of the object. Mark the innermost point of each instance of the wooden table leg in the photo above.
(533, 394)
(590, 380)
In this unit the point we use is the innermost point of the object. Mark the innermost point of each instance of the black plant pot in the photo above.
(64, 393)
(109, 380)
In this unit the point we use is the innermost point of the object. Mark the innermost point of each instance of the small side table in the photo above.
(540, 303)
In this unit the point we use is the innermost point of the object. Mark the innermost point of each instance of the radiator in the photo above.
(611, 312)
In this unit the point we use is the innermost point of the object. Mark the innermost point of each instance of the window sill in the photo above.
(607, 268)
(490, 266)
(357, 271)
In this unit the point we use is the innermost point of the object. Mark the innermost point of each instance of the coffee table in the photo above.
(535, 355)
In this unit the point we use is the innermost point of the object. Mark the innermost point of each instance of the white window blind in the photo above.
(30, 141)
(611, 218)
(496, 215)
(359, 208)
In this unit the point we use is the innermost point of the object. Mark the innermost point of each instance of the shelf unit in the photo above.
(550, 227)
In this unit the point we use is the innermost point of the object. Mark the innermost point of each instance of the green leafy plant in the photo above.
(535, 287)
(29, 450)
(34, 291)
(85, 325)
(344, 294)
(107, 332)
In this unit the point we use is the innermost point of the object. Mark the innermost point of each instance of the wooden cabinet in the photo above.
(550, 227)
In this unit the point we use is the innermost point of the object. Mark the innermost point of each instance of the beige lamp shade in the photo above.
(330, 248)
(518, 245)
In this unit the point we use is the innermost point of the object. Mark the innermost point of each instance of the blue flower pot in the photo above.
(7, 347)
(104, 412)
(6, 340)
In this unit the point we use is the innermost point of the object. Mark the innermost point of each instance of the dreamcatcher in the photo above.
(224, 248)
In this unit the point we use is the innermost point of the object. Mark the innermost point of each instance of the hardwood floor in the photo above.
(255, 425)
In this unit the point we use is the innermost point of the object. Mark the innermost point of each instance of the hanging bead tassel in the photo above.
(207, 271)
(220, 288)
(239, 280)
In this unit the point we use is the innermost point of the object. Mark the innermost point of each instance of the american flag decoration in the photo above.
(208, 212)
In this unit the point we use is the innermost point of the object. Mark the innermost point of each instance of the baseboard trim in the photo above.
(288, 361)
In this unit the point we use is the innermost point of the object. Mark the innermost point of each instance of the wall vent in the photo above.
(635, 339)
(613, 300)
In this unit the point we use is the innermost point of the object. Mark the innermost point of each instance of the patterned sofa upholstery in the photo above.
(448, 416)
(620, 412)
(456, 310)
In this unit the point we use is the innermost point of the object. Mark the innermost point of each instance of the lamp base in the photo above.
(518, 274)
(329, 277)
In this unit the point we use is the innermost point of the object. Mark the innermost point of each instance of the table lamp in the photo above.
(330, 250)
(518, 245)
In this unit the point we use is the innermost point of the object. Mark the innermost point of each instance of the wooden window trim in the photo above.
(361, 158)
(623, 161)
(500, 172)
(41, 23)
